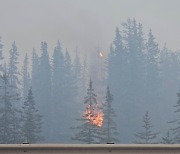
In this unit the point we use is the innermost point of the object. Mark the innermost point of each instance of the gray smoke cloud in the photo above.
(88, 24)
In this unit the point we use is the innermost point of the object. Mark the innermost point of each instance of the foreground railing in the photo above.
(90, 148)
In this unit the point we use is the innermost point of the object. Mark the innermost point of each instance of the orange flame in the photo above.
(96, 118)
(100, 54)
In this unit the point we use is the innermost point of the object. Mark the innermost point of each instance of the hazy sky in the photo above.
(84, 23)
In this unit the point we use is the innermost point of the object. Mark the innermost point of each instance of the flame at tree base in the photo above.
(96, 117)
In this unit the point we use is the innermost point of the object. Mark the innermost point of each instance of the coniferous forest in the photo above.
(129, 95)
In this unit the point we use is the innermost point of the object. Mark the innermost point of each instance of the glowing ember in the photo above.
(98, 119)
(100, 54)
(95, 117)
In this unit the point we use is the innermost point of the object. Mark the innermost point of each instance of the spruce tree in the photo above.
(109, 125)
(13, 66)
(152, 69)
(167, 139)
(58, 68)
(117, 62)
(26, 77)
(176, 122)
(126, 72)
(32, 120)
(84, 75)
(10, 121)
(13, 75)
(69, 93)
(35, 73)
(147, 136)
(169, 71)
(43, 95)
(77, 73)
(58, 78)
(88, 132)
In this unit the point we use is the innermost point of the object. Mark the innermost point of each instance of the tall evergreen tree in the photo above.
(84, 75)
(176, 122)
(58, 69)
(44, 93)
(169, 74)
(167, 139)
(13, 75)
(58, 77)
(117, 62)
(109, 125)
(126, 72)
(35, 74)
(69, 93)
(31, 120)
(77, 72)
(134, 43)
(87, 131)
(26, 77)
(153, 80)
(70, 87)
(147, 135)
(10, 128)
(13, 66)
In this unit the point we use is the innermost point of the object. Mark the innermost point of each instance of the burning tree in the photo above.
(89, 131)
(109, 126)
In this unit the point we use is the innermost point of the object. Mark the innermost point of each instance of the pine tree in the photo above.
(87, 131)
(126, 72)
(117, 63)
(13, 75)
(169, 71)
(109, 125)
(35, 73)
(58, 77)
(147, 135)
(134, 43)
(58, 68)
(176, 122)
(69, 86)
(13, 66)
(43, 95)
(10, 127)
(31, 120)
(26, 78)
(77, 66)
(152, 77)
(167, 139)
(77, 73)
(84, 76)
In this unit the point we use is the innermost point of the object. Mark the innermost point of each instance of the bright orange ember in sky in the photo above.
(100, 54)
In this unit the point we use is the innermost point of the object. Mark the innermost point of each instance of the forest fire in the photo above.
(100, 54)
(96, 117)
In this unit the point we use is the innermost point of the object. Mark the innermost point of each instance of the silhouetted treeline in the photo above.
(142, 77)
